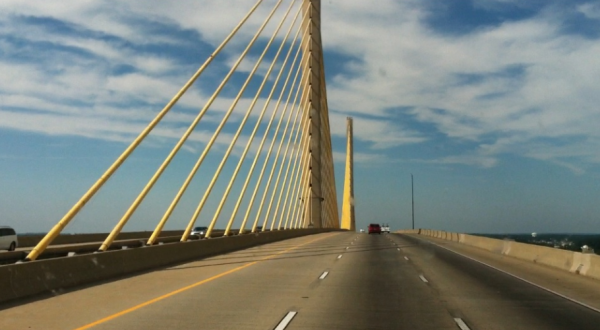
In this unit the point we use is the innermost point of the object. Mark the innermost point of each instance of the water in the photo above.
(565, 241)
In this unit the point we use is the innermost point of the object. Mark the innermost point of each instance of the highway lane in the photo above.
(331, 281)
(488, 299)
(248, 289)
(373, 288)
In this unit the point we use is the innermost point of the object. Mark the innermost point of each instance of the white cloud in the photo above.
(590, 10)
(410, 66)
(398, 62)
(380, 133)
(474, 160)
(362, 158)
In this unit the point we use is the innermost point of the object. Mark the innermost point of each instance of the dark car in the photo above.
(374, 228)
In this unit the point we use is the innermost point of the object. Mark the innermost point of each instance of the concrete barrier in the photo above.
(591, 266)
(548, 256)
(408, 231)
(455, 237)
(574, 262)
(489, 244)
(53, 275)
(55, 251)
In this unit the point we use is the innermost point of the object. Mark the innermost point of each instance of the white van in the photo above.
(8, 239)
(385, 228)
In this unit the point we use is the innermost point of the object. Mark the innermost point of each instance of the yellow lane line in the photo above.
(172, 293)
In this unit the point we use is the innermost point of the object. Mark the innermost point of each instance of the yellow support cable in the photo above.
(300, 131)
(327, 170)
(210, 101)
(299, 213)
(275, 160)
(284, 186)
(291, 188)
(259, 120)
(333, 199)
(267, 157)
(331, 202)
(299, 201)
(327, 180)
(287, 187)
(276, 186)
(304, 170)
(266, 132)
(296, 183)
(305, 192)
(264, 138)
(212, 183)
(275, 163)
(296, 203)
(296, 195)
(57, 229)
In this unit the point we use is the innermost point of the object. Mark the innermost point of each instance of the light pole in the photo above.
(412, 191)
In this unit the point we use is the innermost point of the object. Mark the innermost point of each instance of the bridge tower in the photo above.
(348, 218)
(317, 107)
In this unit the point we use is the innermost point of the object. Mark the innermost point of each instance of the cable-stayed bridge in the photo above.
(284, 135)
(276, 253)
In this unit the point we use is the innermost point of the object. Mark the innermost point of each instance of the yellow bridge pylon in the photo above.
(348, 218)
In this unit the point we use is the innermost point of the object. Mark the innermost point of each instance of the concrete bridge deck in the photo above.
(379, 282)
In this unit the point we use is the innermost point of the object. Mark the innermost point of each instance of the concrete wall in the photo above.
(52, 275)
(575, 262)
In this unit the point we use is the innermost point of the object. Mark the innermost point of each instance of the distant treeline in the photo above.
(572, 242)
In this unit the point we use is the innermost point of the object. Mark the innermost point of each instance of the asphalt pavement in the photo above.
(324, 281)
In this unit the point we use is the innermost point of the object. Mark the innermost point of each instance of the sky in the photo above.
(491, 105)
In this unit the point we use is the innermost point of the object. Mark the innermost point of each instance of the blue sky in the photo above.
(491, 104)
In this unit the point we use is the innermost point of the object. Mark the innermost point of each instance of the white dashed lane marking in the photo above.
(461, 324)
(286, 320)
(423, 279)
(324, 275)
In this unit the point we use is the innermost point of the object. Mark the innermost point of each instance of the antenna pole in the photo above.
(412, 190)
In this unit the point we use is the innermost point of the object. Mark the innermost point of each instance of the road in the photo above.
(325, 281)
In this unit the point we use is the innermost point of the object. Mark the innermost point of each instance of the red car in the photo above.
(374, 228)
